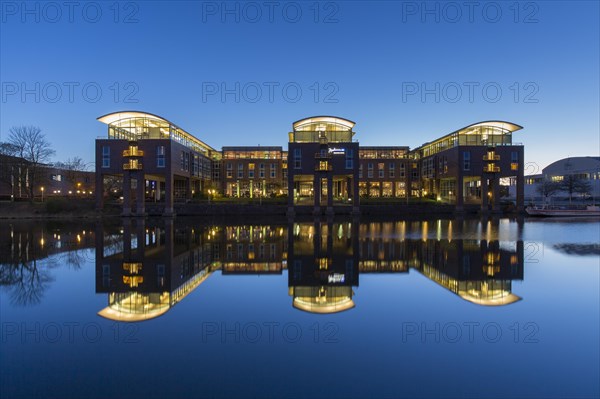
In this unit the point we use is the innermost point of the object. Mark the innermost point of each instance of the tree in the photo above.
(547, 188)
(575, 184)
(71, 168)
(33, 150)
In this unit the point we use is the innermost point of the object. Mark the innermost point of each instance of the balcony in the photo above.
(324, 168)
(326, 155)
(491, 169)
(491, 157)
(132, 166)
(133, 153)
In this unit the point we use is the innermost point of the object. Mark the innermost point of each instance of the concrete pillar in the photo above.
(317, 193)
(520, 190)
(329, 193)
(157, 192)
(460, 196)
(251, 189)
(126, 240)
(496, 194)
(140, 232)
(484, 193)
(126, 194)
(169, 186)
(355, 195)
(99, 190)
(140, 205)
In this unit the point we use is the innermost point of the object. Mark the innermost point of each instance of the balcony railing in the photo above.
(326, 155)
(491, 157)
(133, 153)
(132, 166)
(491, 169)
(321, 168)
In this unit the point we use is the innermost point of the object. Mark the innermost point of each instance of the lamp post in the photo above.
(42, 188)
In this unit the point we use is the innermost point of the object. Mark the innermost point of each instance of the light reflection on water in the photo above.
(202, 294)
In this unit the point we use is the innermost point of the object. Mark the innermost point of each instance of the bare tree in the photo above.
(34, 151)
(547, 188)
(575, 184)
(72, 168)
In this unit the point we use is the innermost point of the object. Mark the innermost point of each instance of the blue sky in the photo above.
(532, 63)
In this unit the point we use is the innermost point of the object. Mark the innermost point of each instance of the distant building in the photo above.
(586, 168)
(254, 172)
(51, 181)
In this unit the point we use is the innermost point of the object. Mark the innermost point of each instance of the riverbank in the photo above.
(61, 208)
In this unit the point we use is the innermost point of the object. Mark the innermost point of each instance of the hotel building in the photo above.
(323, 170)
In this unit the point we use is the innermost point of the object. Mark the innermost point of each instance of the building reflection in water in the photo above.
(147, 268)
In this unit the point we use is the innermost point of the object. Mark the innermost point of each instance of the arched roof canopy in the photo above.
(323, 123)
(486, 133)
(138, 123)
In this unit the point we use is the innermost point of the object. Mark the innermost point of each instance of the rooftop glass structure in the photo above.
(488, 133)
(135, 125)
(322, 129)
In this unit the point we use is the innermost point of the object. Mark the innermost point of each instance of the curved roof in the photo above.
(572, 165)
(324, 308)
(500, 301)
(117, 116)
(119, 315)
(511, 127)
(324, 119)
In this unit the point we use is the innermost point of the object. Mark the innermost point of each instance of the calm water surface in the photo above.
(195, 308)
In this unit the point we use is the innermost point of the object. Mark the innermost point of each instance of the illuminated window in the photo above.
(229, 170)
(381, 170)
(251, 170)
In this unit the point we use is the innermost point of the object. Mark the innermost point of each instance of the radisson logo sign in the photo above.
(336, 151)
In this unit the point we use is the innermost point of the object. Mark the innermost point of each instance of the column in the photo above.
(140, 207)
(99, 190)
(460, 200)
(484, 193)
(329, 193)
(317, 192)
(355, 195)
(169, 183)
(520, 190)
(157, 192)
(126, 194)
(496, 194)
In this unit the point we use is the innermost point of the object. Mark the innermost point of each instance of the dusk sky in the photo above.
(532, 63)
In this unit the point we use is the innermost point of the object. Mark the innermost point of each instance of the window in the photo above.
(57, 177)
(251, 171)
(360, 171)
(273, 171)
(160, 156)
(466, 160)
(261, 170)
(392, 170)
(370, 170)
(240, 174)
(349, 159)
(105, 156)
(297, 158)
(229, 170)
(402, 170)
(514, 160)
(381, 170)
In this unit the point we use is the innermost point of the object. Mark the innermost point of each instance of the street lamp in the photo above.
(42, 188)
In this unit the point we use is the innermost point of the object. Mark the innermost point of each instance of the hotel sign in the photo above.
(336, 151)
